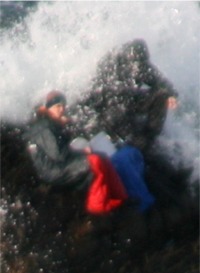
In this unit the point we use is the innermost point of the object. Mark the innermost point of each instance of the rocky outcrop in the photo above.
(47, 230)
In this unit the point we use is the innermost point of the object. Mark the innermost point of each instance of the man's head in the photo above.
(55, 104)
(136, 50)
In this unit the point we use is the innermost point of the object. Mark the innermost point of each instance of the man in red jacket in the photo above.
(57, 164)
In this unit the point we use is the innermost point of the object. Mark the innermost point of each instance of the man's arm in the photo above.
(156, 80)
(58, 172)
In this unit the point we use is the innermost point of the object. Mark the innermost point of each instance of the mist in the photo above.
(59, 46)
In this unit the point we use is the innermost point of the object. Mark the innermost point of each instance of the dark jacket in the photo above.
(128, 98)
(54, 162)
(130, 67)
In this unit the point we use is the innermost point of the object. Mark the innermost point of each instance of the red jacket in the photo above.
(106, 192)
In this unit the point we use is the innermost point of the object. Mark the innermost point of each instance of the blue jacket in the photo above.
(129, 163)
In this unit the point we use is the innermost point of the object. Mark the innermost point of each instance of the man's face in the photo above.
(56, 111)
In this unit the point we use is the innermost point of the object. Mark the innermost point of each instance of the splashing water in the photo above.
(59, 45)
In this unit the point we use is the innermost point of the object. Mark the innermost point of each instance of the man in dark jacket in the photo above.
(131, 67)
(130, 96)
(58, 165)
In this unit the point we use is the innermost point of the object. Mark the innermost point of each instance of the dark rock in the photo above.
(46, 229)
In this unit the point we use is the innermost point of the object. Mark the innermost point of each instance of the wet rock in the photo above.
(47, 230)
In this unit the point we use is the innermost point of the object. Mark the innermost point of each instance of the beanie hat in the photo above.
(54, 97)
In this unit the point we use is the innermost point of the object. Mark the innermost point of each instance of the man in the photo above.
(130, 96)
(56, 164)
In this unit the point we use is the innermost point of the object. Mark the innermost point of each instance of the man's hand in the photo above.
(87, 150)
(172, 103)
(66, 120)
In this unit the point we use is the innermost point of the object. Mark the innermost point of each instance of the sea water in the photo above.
(59, 45)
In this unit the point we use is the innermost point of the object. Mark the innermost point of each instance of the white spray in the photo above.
(59, 45)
